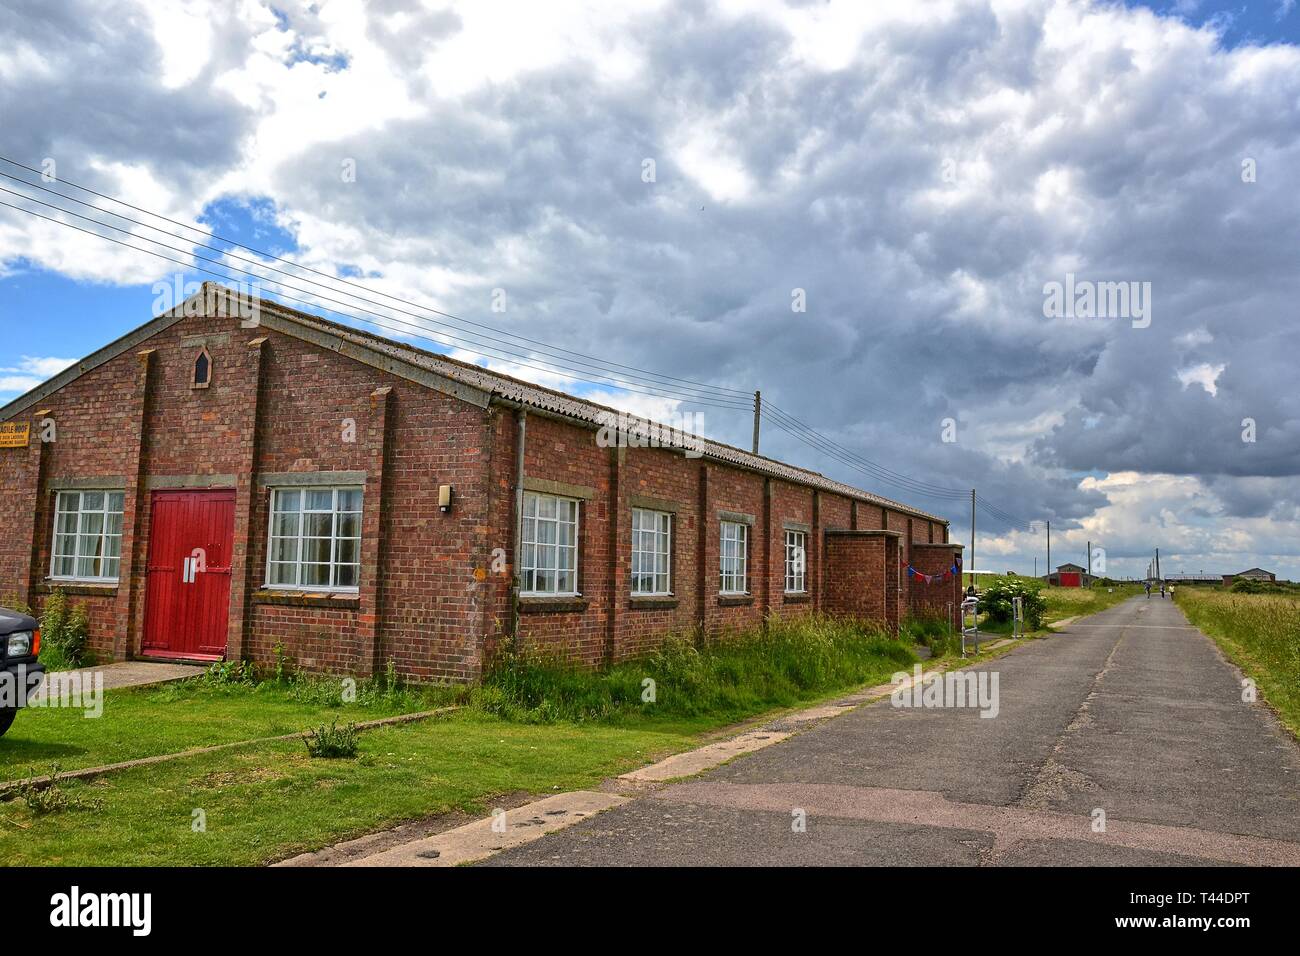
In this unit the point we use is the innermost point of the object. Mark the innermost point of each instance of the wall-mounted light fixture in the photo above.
(444, 498)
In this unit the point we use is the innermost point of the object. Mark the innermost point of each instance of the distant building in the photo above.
(1070, 576)
(1254, 574)
(1201, 578)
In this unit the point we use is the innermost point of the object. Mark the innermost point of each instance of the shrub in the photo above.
(333, 741)
(65, 631)
(995, 601)
(1252, 586)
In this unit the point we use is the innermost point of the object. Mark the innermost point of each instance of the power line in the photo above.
(790, 424)
(641, 380)
(553, 366)
(828, 446)
(339, 279)
(659, 392)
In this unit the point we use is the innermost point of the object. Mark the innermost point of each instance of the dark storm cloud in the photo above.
(87, 90)
(1080, 139)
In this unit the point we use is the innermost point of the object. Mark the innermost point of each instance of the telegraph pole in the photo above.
(1089, 559)
(972, 536)
(758, 414)
(1049, 552)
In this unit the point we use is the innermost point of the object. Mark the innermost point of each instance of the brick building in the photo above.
(233, 476)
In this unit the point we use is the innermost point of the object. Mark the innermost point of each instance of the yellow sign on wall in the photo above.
(15, 434)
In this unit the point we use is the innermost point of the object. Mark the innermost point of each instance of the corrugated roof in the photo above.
(471, 382)
(591, 413)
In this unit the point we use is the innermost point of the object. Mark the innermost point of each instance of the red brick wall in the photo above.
(436, 600)
(649, 473)
(941, 598)
(792, 503)
(19, 469)
(862, 577)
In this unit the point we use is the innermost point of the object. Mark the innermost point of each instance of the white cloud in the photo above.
(1204, 375)
(30, 372)
(500, 145)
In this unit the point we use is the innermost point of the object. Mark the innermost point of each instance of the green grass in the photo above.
(272, 801)
(168, 718)
(724, 680)
(534, 726)
(1260, 633)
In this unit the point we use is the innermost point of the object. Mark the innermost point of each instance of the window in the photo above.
(796, 562)
(734, 552)
(550, 540)
(652, 534)
(315, 539)
(87, 535)
(202, 369)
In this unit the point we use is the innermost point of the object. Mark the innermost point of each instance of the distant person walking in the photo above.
(1148, 587)
(1162, 590)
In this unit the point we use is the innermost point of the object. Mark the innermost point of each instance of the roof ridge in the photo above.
(489, 379)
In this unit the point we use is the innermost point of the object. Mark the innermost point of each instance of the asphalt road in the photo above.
(1122, 741)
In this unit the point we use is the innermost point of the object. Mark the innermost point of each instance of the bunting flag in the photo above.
(944, 575)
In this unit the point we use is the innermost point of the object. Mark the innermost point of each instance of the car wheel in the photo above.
(7, 716)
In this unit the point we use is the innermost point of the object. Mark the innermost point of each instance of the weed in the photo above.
(49, 797)
(65, 630)
(333, 741)
(732, 676)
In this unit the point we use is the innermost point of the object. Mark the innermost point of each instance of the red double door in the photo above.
(187, 600)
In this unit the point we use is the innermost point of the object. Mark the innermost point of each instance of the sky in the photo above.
(866, 211)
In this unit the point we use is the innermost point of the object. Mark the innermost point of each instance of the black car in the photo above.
(20, 674)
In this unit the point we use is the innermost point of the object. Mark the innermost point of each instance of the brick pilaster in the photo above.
(813, 562)
(617, 568)
(369, 631)
(243, 576)
(31, 517)
(766, 596)
(131, 570)
(705, 595)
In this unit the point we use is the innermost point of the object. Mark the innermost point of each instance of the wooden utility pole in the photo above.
(758, 416)
(972, 536)
(1049, 552)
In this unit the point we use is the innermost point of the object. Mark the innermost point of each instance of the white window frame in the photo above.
(104, 535)
(335, 538)
(796, 572)
(739, 570)
(531, 519)
(660, 533)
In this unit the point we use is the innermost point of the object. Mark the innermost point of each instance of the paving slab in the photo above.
(131, 673)
(503, 830)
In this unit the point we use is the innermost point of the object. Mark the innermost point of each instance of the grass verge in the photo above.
(168, 718)
(534, 726)
(791, 662)
(1260, 633)
(261, 804)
